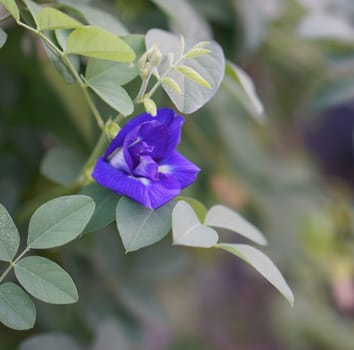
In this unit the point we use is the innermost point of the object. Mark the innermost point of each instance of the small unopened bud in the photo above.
(144, 71)
(154, 55)
(150, 106)
(86, 177)
(113, 130)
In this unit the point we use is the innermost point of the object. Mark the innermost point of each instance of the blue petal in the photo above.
(149, 193)
(185, 171)
(129, 126)
(147, 167)
(174, 124)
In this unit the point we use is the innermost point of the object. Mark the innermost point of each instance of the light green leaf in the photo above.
(3, 38)
(169, 82)
(106, 203)
(113, 94)
(181, 12)
(50, 19)
(210, 67)
(62, 165)
(96, 42)
(240, 85)
(187, 229)
(59, 221)
(52, 341)
(46, 280)
(193, 75)
(9, 236)
(262, 264)
(223, 217)
(120, 73)
(198, 207)
(11, 6)
(34, 9)
(139, 226)
(17, 310)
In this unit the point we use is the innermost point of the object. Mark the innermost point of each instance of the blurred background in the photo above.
(289, 170)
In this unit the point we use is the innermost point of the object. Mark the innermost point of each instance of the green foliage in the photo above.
(9, 236)
(138, 226)
(51, 19)
(17, 310)
(59, 221)
(3, 38)
(11, 6)
(96, 42)
(262, 264)
(198, 78)
(223, 217)
(46, 280)
(62, 165)
(187, 229)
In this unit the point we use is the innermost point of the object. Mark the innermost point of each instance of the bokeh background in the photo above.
(290, 172)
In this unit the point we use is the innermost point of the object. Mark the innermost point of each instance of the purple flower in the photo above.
(142, 162)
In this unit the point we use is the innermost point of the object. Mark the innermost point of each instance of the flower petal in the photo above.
(129, 126)
(174, 124)
(185, 171)
(151, 194)
(147, 167)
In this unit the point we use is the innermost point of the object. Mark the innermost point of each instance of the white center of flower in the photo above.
(164, 169)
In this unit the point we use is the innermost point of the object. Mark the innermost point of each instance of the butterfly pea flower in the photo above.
(142, 162)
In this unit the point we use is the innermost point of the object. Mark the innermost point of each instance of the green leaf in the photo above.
(52, 341)
(11, 6)
(62, 165)
(187, 229)
(17, 310)
(34, 9)
(139, 226)
(46, 280)
(210, 70)
(262, 264)
(193, 75)
(50, 19)
(9, 236)
(223, 217)
(96, 42)
(59, 221)
(169, 82)
(3, 38)
(121, 73)
(106, 203)
(113, 94)
(240, 85)
(198, 207)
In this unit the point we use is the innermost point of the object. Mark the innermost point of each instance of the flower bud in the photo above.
(154, 55)
(113, 130)
(150, 106)
(144, 71)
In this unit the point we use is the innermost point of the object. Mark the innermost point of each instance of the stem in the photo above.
(72, 70)
(143, 87)
(13, 263)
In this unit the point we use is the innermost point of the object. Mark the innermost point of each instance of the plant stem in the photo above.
(72, 70)
(13, 263)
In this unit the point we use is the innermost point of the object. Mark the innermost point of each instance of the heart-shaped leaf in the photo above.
(46, 280)
(9, 236)
(262, 264)
(17, 310)
(187, 229)
(223, 217)
(210, 66)
(139, 226)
